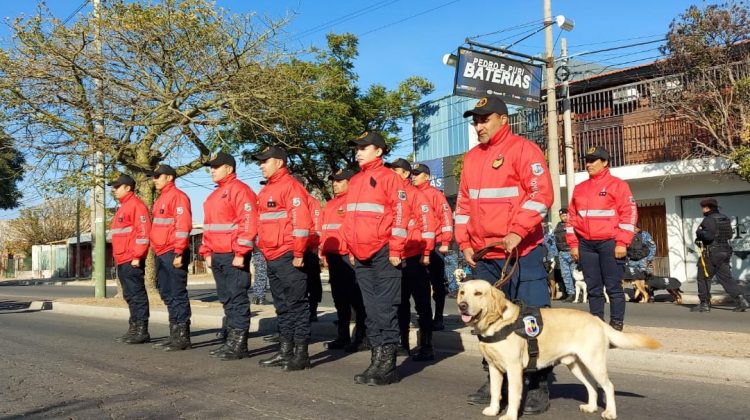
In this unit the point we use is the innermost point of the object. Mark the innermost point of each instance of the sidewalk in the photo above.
(708, 356)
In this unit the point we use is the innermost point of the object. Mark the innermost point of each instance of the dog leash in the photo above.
(504, 277)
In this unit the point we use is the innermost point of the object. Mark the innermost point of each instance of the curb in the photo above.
(714, 369)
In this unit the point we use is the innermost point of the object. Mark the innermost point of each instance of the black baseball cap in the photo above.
(597, 152)
(420, 168)
(164, 170)
(370, 137)
(487, 106)
(222, 158)
(563, 210)
(271, 152)
(709, 202)
(341, 174)
(123, 180)
(399, 163)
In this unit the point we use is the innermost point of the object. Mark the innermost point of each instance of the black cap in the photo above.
(596, 152)
(341, 174)
(123, 180)
(271, 152)
(370, 137)
(487, 106)
(164, 170)
(563, 211)
(222, 158)
(420, 168)
(400, 163)
(709, 202)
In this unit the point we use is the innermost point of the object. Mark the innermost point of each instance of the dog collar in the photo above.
(528, 326)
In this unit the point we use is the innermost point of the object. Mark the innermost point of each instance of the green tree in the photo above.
(53, 220)
(315, 129)
(11, 172)
(708, 63)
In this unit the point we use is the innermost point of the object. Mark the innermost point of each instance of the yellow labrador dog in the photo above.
(574, 338)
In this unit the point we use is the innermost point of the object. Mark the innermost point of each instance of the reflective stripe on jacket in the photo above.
(130, 229)
(284, 222)
(376, 212)
(602, 208)
(505, 188)
(315, 212)
(420, 239)
(442, 211)
(230, 218)
(172, 222)
(332, 222)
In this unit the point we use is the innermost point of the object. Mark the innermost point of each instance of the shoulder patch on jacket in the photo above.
(401, 195)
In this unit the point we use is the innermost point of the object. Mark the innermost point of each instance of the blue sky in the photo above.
(401, 38)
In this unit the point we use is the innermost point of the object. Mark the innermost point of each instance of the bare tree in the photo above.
(708, 63)
(53, 220)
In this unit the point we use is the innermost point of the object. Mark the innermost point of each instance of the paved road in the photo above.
(68, 367)
(660, 314)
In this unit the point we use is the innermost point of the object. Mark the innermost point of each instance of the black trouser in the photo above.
(437, 279)
(717, 265)
(380, 283)
(312, 269)
(601, 269)
(134, 291)
(415, 281)
(232, 284)
(289, 291)
(172, 283)
(346, 293)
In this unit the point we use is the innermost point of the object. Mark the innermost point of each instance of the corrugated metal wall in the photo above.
(441, 129)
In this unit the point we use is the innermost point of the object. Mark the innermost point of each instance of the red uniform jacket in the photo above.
(284, 221)
(420, 239)
(173, 221)
(332, 221)
(442, 211)
(130, 230)
(376, 212)
(505, 188)
(314, 205)
(229, 218)
(602, 208)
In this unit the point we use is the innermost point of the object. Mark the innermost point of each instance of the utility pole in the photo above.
(78, 234)
(570, 172)
(99, 237)
(553, 153)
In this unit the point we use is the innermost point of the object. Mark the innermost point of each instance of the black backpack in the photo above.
(637, 250)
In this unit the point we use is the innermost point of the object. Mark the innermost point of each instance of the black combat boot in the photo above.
(365, 376)
(742, 304)
(701, 307)
(140, 335)
(343, 339)
(286, 351)
(164, 343)
(222, 333)
(300, 360)
(618, 325)
(360, 342)
(481, 396)
(425, 352)
(386, 372)
(537, 396)
(181, 338)
(128, 333)
(236, 344)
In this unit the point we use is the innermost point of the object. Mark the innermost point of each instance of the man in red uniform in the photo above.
(229, 227)
(415, 281)
(335, 256)
(130, 230)
(420, 177)
(284, 228)
(503, 197)
(375, 230)
(601, 223)
(170, 233)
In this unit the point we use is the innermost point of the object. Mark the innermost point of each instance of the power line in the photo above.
(75, 12)
(614, 41)
(512, 28)
(409, 17)
(347, 17)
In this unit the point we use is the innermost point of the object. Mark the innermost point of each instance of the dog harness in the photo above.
(528, 326)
